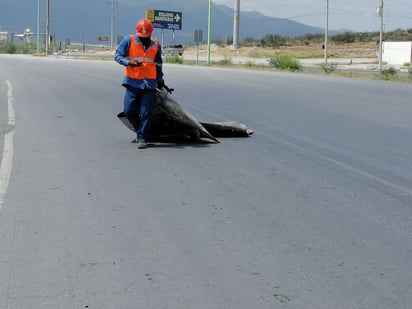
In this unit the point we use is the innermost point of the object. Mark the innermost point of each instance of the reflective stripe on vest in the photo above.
(136, 52)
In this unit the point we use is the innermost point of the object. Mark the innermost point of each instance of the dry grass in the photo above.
(352, 50)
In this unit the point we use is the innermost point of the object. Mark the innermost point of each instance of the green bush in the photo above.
(285, 62)
(173, 59)
(388, 73)
(225, 61)
(347, 37)
(8, 48)
(329, 67)
(17, 48)
(273, 40)
(408, 65)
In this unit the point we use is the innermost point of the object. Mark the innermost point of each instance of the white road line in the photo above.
(402, 189)
(6, 160)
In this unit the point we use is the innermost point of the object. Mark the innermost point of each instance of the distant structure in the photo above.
(397, 52)
(4, 36)
(25, 35)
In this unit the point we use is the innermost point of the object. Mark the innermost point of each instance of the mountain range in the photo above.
(86, 20)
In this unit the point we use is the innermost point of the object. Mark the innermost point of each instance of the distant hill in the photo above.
(85, 21)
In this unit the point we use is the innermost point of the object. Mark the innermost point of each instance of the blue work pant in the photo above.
(138, 108)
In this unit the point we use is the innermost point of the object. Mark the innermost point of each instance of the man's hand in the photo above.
(161, 84)
(134, 63)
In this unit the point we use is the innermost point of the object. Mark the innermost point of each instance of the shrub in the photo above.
(388, 73)
(273, 40)
(8, 48)
(17, 48)
(347, 37)
(329, 67)
(285, 62)
(225, 61)
(173, 59)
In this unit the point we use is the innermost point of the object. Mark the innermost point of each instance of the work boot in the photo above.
(141, 144)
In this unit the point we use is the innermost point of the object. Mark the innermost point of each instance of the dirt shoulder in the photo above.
(304, 51)
(345, 57)
(356, 56)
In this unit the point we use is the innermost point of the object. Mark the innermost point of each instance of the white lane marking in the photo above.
(404, 190)
(6, 160)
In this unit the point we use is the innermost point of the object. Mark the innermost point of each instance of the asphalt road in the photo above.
(312, 211)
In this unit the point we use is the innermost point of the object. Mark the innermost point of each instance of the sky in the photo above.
(355, 15)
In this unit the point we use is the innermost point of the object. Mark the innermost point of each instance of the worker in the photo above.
(143, 74)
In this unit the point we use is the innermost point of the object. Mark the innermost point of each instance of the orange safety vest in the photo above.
(147, 58)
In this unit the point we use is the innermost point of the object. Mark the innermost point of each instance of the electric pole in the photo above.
(112, 26)
(326, 31)
(235, 44)
(47, 26)
(38, 26)
(209, 30)
(380, 12)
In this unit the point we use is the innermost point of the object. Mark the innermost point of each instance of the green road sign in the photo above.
(165, 19)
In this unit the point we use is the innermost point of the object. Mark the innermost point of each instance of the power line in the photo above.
(304, 15)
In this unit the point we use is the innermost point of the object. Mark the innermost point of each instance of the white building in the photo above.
(397, 52)
(4, 36)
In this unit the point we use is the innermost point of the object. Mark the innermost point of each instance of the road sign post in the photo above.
(165, 19)
(197, 37)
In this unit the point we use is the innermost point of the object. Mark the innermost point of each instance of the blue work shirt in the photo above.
(122, 52)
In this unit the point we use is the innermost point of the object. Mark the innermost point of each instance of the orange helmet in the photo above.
(144, 28)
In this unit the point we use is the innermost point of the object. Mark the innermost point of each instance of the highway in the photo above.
(314, 210)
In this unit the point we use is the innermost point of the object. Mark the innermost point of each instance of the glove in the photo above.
(161, 84)
(134, 63)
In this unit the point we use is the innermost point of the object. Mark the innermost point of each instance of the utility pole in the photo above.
(112, 26)
(209, 29)
(38, 26)
(235, 44)
(47, 26)
(326, 32)
(380, 12)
